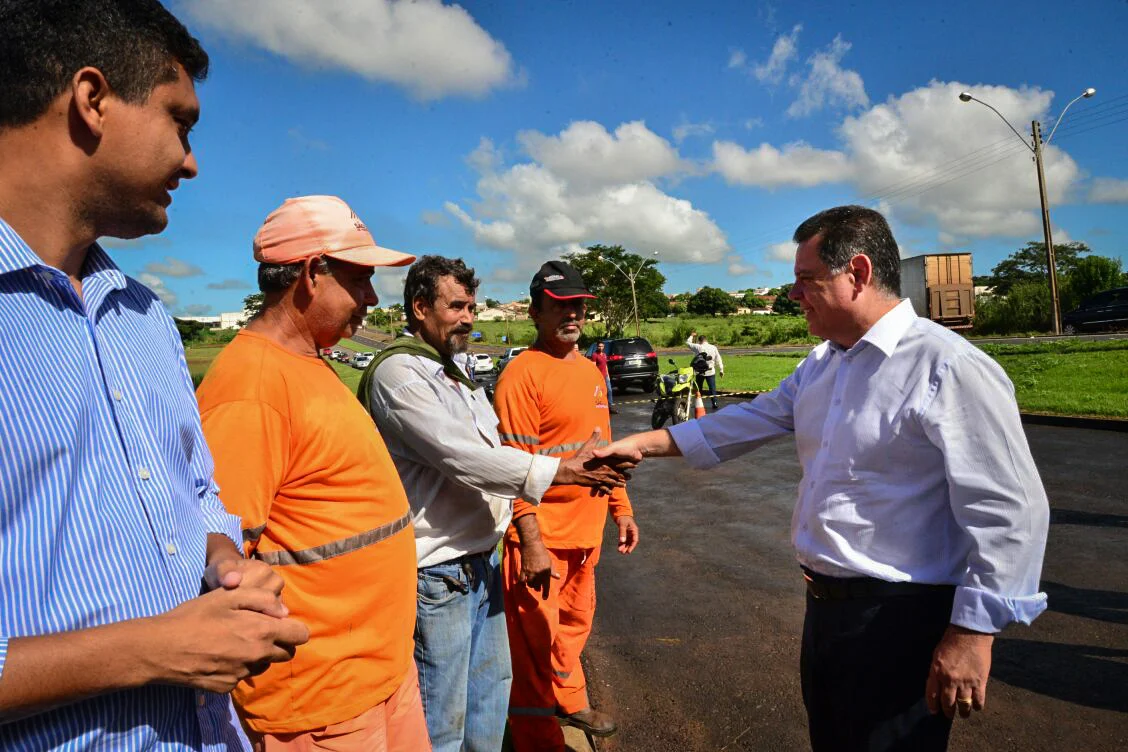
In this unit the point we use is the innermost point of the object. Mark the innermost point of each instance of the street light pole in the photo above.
(1051, 259)
(631, 278)
(1036, 148)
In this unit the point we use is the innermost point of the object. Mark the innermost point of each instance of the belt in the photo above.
(823, 587)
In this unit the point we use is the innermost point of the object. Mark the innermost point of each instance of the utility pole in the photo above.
(1036, 129)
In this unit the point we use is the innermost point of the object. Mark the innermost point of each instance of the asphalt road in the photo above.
(696, 638)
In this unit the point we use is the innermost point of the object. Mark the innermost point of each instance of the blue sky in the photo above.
(510, 133)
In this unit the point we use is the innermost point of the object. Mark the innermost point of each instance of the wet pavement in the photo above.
(696, 640)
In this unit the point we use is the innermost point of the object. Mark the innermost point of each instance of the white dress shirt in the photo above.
(459, 478)
(711, 351)
(915, 466)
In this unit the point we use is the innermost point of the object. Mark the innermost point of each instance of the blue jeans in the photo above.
(701, 379)
(462, 652)
(610, 398)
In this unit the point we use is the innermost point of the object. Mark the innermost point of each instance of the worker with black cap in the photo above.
(548, 400)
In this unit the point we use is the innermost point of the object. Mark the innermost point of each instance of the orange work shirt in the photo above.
(547, 405)
(299, 459)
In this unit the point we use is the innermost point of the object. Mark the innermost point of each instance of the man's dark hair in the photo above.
(423, 282)
(134, 43)
(279, 277)
(846, 231)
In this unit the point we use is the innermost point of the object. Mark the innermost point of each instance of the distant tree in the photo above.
(189, 331)
(751, 300)
(1029, 263)
(712, 301)
(1092, 274)
(677, 308)
(784, 304)
(252, 305)
(612, 289)
(492, 302)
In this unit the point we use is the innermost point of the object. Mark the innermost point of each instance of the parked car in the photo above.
(630, 362)
(362, 359)
(1105, 310)
(510, 354)
(483, 363)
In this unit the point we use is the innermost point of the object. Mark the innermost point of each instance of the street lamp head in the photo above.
(965, 97)
(1089, 92)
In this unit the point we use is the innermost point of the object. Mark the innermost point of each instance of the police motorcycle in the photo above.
(678, 392)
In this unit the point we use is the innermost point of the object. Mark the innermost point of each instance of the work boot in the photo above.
(590, 721)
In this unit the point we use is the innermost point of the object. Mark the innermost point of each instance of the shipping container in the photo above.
(940, 288)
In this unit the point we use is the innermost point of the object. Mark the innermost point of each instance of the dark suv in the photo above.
(1105, 310)
(630, 362)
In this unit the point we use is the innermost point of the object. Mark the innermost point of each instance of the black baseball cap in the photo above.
(559, 280)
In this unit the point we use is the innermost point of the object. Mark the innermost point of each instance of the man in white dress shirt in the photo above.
(461, 480)
(920, 521)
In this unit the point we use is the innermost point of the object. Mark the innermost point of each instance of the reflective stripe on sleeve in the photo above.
(519, 438)
(335, 548)
(252, 534)
(562, 448)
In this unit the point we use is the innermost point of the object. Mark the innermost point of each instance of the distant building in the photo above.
(229, 320)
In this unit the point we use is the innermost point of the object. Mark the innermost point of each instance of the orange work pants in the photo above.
(395, 725)
(546, 637)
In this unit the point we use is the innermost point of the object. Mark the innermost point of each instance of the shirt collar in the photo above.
(16, 254)
(887, 332)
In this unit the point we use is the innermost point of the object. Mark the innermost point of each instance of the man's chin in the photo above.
(458, 343)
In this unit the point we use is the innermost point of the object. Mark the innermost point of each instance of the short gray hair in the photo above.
(279, 277)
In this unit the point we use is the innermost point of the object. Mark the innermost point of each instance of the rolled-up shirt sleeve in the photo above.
(996, 494)
(3, 654)
(216, 517)
(738, 429)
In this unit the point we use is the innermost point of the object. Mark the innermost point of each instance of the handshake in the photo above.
(601, 469)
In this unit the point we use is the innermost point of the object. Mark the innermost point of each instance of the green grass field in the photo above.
(1063, 378)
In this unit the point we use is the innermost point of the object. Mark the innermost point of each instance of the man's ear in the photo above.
(91, 93)
(862, 269)
(419, 307)
(307, 282)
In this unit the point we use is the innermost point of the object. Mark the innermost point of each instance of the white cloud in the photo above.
(173, 267)
(798, 164)
(737, 59)
(430, 49)
(1108, 191)
(785, 49)
(388, 285)
(584, 186)
(753, 123)
(302, 141)
(585, 155)
(981, 183)
(228, 284)
(827, 84)
(930, 158)
(196, 309)
(784, 252)
(157, 285)
(686, 130)
(737, 267)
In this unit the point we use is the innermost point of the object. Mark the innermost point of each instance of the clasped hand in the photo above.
(602, 471)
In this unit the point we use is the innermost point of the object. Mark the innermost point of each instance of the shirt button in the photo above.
(143, 473)
(171, 548)
(826, 444)
(838, 400)
(118, 395)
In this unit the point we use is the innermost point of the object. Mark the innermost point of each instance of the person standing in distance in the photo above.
(700, 344)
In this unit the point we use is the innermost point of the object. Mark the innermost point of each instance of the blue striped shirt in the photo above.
(106, 491)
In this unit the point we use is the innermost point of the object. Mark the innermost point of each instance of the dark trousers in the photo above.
(712, 387)
(864, 664)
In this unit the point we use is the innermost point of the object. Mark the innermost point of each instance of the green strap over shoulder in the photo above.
(408, 345)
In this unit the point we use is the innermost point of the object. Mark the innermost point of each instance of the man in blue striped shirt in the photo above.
(110, 526)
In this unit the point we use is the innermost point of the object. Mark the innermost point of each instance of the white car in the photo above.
(361, 360)
(483, 363)
(510, 354)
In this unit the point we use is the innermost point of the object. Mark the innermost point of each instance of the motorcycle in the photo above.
(678, 392)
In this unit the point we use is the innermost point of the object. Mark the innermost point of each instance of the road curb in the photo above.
(1074, 421)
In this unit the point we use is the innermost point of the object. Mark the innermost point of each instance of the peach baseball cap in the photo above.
(320, 226)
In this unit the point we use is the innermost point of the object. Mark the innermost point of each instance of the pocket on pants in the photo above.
(433, 590)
